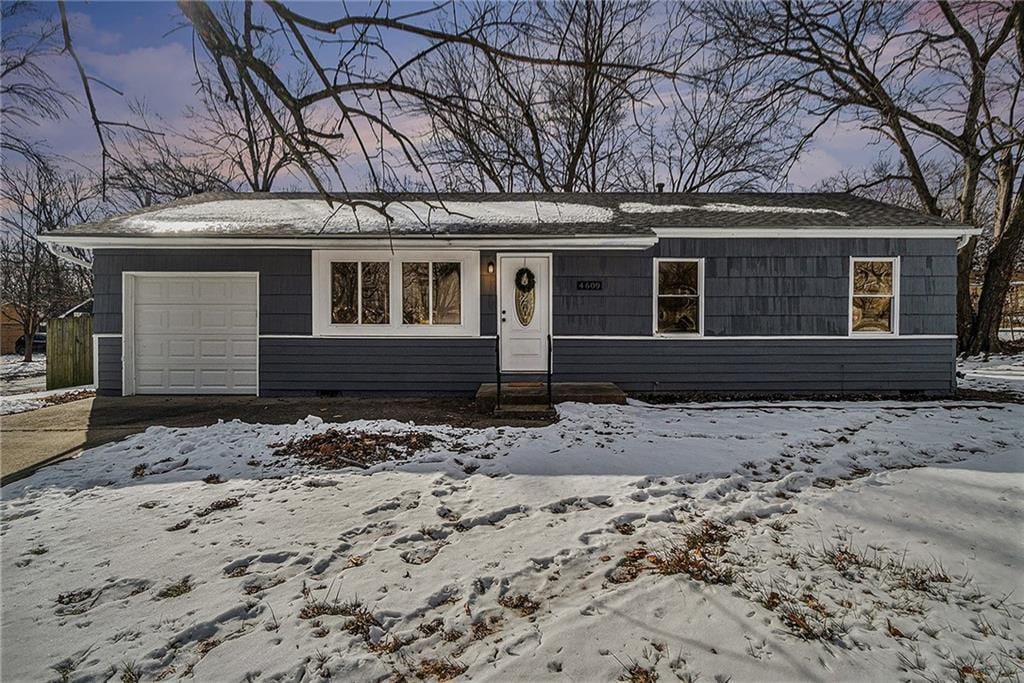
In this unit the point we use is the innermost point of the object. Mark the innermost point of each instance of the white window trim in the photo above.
(895, 332)
(700, 298)
(470, 276)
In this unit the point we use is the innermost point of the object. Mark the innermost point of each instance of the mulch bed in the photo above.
(335, 449)
(58, 399)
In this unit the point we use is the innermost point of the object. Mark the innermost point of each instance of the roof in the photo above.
(457, 215)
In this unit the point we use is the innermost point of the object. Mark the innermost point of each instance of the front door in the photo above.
(523, 312)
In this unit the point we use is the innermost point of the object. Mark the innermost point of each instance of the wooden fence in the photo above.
(69, 352)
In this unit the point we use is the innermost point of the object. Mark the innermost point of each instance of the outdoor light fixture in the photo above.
(490, 267)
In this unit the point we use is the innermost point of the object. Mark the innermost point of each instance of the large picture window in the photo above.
(679, 289)
(413, 293)
(874, 301)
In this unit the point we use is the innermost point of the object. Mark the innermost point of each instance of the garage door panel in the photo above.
(196, 334)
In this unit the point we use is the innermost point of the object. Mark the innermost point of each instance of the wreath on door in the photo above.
(525, 280)
(525, 296)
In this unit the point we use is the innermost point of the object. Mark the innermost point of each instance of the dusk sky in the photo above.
(144, 49)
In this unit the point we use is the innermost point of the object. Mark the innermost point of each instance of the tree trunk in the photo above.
(28, 328)
(964, 305)
(998, 275)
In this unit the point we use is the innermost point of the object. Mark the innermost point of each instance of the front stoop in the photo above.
(529, 400)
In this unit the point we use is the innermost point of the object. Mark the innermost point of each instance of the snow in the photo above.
(992, 373)
(253, 214)
(21, 403)
(547, 512)
(12, 366)
(728, 207)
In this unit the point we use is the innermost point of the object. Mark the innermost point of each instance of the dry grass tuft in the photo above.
(481, 628)
(429, 628)
(223, 504)
(360, 622)
(387, 645)
(521, 603)
(634, 672)
(176, 589)
(699, 556)
(440, 669)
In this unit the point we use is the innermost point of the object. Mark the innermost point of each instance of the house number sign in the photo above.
(589, 285)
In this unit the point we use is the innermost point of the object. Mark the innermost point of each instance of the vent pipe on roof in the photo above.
(660, 187)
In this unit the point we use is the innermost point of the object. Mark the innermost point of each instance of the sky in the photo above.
(144, 49)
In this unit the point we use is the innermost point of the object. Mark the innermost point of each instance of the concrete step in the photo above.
(515, 394)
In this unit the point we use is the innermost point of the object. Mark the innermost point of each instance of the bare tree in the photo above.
(552, 127)
(146, 168)
(28, 92)
(37, 199)
(932, 81)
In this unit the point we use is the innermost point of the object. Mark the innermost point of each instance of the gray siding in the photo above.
(753, 366)
(753, 287)
(109, 366)
(414, 366)
(623, 306)
(488, 294)
(801, 286)
(285, 281)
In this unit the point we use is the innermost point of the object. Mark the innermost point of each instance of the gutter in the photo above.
(70, 258)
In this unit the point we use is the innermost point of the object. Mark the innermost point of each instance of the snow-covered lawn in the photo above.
(21, 403)
(992, 373)
(867, 541)
(13, 366)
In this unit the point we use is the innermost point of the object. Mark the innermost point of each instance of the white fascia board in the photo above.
(812, 232)
(397, 243)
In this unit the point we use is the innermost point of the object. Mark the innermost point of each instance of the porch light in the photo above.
(490, 267)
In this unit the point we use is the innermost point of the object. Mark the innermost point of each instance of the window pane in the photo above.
(676, 277)
(447, 294)
(678, 314)
(872, 314)
(344, 293)
(375, 294)
(415, 301)
(872, 277)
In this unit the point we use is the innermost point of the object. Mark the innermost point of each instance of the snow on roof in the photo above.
(468, 214)
(728, 207)
(411, 216)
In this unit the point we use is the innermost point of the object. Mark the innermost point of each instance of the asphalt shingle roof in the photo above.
(269, 215)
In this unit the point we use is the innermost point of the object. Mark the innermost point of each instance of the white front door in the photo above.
(192, 333)
(524, 313)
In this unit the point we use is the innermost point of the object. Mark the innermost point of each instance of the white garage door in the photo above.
(195, 334)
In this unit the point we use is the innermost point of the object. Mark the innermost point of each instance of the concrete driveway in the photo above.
(40, 437)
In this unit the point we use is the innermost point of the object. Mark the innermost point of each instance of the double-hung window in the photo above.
(412, 293)
(874, 295)
(679, 289)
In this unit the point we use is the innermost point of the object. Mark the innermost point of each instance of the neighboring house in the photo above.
(10, 328)
(717, 293)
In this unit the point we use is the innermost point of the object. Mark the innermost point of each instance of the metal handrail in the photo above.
(550, 402)
(497, 368)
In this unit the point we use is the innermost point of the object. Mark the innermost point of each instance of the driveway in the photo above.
(37, 438)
